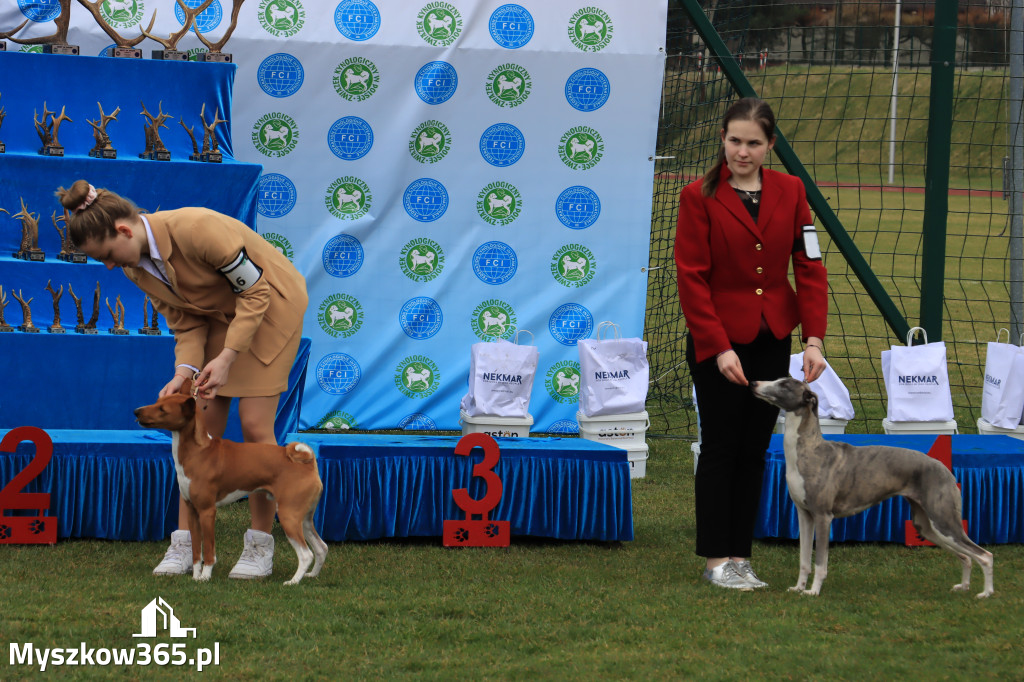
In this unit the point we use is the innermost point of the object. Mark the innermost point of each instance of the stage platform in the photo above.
(120, 485)
(989, 468)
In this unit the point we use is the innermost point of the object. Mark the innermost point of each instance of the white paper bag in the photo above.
(917, 381)
(1003, 397)
(614, 374)
(833, 396)
(500, 379)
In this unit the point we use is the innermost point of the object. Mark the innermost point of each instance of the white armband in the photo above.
(811, 247)
(241, 273)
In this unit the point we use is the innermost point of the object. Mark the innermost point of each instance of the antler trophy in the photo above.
(4, 327)
(103, 149)
(48, 128)
(29, 235)
(52, 44)
(215, 54)
(68, 252)
(170, 43)
(55, 328)
(211, 150)
(117, 312)
(155, 148)
(122, 46)
(26, 313)
(3, 115)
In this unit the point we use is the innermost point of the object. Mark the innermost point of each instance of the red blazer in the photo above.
(732, 272)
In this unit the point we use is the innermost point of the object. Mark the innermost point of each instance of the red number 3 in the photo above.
(484, 470)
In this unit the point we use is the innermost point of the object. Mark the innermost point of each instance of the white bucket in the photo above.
(936, 428)
(987, 429)
(620, 430)
(496, 427)
(637, 454)
(827, 425)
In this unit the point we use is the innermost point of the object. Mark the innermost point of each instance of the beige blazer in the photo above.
(194, 244)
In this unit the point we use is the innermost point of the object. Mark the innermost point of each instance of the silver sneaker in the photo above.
(726, 575)
(178, 557)
(747, 573)
(257, 559)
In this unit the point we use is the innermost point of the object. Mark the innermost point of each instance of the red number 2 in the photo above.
(11, 496)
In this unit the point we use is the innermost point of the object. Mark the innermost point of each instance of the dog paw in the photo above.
(797, 588)
(986, 594)
(292, 582)
(961, 587)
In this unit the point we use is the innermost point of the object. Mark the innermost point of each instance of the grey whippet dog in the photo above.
(829, 479)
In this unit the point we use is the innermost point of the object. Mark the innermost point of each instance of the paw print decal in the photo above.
(5, 532)
(492, 530)
(37, 527)
(462, 535)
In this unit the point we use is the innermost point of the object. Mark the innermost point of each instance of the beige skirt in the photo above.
(249, 377)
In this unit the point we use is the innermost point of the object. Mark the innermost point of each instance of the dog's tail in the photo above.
(300, 453)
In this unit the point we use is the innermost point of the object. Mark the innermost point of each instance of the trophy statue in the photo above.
(26, 314)
(148, 329)
(214, 54)
(170, 43)
(29, 235)
(68, 252)
(3, 147)
(4, 327)
(79, 317)
(52, 44)
(155, 148)
(103, 149)
(211, 150)
(55, 328)
(122, 46)
(47, 130)
(117, 312)
(194, 156)
(90, 326)
(153, 322)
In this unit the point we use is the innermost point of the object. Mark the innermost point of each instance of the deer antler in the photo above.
(236, 7)
(59, 37)
(94, 10)
(190, 15)
(107, 118)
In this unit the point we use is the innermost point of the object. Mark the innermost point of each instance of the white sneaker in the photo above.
(726, 575)
(257, 559)
(745, 570)
(178, 558)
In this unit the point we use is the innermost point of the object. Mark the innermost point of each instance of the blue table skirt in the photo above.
(989, 468)
(121, 485)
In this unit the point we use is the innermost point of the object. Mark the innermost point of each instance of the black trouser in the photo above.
(735, 429)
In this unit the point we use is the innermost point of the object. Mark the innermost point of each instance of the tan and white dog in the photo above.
(213, 472)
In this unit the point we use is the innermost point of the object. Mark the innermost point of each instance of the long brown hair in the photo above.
(93, 217)
(746, 109)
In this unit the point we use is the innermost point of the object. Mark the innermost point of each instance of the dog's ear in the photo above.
(188, 408)
(811, 399)
(186, 387)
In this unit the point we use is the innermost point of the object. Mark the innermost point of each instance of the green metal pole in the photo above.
(792, 162)
(936, 174)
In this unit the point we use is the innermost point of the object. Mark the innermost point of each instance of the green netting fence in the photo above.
(905, 121)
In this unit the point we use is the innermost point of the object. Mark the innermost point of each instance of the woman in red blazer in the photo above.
(740, 228)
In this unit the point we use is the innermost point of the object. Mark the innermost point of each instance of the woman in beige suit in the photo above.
(235, 305)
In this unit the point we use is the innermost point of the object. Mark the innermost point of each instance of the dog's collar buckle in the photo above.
(195, 385)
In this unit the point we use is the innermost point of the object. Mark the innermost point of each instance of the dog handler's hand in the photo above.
(731, 368)
(215, 374)
(172, 386)
(814, 360)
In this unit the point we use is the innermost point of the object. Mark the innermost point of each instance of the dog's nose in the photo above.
(137, 410)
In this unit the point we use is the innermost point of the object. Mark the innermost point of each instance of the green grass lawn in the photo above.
(411, 609)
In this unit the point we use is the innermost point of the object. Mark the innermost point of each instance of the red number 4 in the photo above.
(27, 529)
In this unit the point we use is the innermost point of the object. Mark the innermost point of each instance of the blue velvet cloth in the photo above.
(76, 381)
(398, 486)
(990, 469)
(121, 485)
